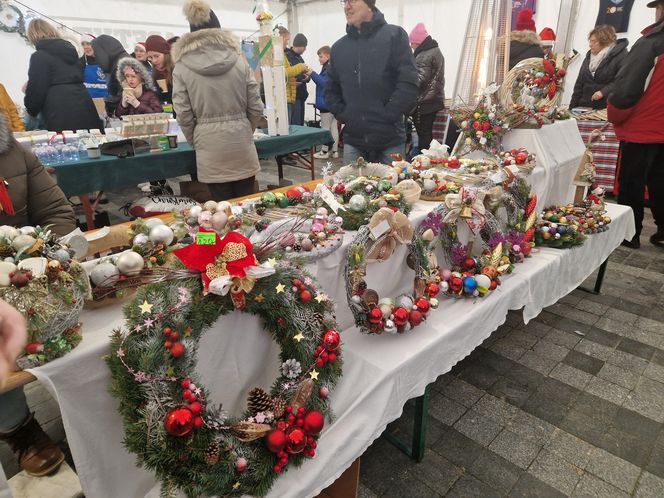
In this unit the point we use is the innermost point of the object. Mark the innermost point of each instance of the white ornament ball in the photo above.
(161, 234)
(27, 230)
(483, 283)
(307, 244)
(141, 239)
(23, 242)
(150, 223)
(210, 206)
(9, 259)
(434, 303)
(357, 203)
(404, 301)
(224, 207)
(194, 211)
(429, 185)
(444, 286)
(105, 274)
(219, 220)
(390, 328)
(130, 263)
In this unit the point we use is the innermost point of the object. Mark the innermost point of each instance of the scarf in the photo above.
(596, 59)
(136, 92)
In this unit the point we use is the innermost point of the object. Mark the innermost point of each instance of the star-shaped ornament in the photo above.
(145, 307)
(272, 262)
(298, 337)
(320, 298)
(314, 374)
(170, 372)
(187, 331)
(280, 288)
(259, 298)
(237, 485)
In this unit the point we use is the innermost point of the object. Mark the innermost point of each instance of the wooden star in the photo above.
(314, 374)
(280, 288)
(145, 307)
(187, 331)
(259, 298)
(298, 337)
(272, 262)
(320, 298)
(170, 372)
(237, 485)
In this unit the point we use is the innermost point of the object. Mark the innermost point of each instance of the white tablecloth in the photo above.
(380, 372)
(559, 149)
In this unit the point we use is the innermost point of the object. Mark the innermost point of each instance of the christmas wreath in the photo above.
(377, 242)
(168, 415)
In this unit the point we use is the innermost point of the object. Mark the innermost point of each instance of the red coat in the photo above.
(149, 104)
(636, 102)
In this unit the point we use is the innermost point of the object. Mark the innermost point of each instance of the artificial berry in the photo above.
(168, 344)
(185, 384)
(331, 357)
(319, 362)
(174, 336)
(177, 350)
(167, 330)
(276, 468)
(198, 421)
(300, 410)
(196, 407)
(289, 409)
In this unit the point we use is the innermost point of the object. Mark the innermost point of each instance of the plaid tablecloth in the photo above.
(605, 152)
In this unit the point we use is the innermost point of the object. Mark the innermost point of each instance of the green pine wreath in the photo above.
(169, 420)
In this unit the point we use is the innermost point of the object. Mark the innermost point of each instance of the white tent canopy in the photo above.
(322, 21)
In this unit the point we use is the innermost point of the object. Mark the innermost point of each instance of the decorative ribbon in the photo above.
(436, 150)
(400, 232)
(467, 204)
(493, 197)
(224, 284)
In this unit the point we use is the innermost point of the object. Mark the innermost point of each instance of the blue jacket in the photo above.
(372, 83)
(320, 80)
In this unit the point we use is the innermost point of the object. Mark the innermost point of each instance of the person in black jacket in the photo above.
(431, 77)
(55, 83)
(524, 42)
(599, 69)
(109, 51)
(371, 84)
(294, 54)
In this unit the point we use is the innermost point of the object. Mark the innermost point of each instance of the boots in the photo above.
(35, 451)
(634, 243)
(658, 238)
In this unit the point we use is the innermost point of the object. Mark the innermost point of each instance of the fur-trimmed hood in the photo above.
(207, 52)
(138, 67)
(527, 37)
(5, 134)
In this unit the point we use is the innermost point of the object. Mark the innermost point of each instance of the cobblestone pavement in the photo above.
(571, 404)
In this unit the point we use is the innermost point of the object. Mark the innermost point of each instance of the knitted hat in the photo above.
(371, 4)
(525, 21)
(652, 5)
(139, 45)
(156, 43)
(418, 34)
(548, 37)
(87, 38)
(200, 15)
(300, 40)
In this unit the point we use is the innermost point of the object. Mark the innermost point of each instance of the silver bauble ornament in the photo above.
(61, 255)
(404, 301)
(210, 206)
(105, 275)
(194, 211)
(130, 263)
(161, 234)
(357, 203)
(141, 239)
(390, 328)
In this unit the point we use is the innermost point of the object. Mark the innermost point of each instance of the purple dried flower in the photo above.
(458, 254)
(495, 239)
(433, 221)
(514, 237)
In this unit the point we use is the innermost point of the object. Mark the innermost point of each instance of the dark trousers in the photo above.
(298, 113)
(230, 190)
(424, 127)
(641, 165)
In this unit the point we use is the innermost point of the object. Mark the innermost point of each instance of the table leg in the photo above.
(311, 161)
(280, 167)
(88, 210)
(598, 281)
(416, 450)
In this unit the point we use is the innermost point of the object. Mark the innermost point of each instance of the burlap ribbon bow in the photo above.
(468, 204)
(224, 284)
(400, 231)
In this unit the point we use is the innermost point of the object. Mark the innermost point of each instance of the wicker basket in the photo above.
(509, 95)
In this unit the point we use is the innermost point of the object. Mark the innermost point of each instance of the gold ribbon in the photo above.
(467, 204)
(400, 232)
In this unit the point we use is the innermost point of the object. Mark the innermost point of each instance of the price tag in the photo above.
(206, 238)
(328, 198)
(380, 229)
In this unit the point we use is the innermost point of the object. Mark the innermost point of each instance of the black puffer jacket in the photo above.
(55, 88)
(605, 75)
(524, 45)
(372, 83)
(108, 52)
(431, 76)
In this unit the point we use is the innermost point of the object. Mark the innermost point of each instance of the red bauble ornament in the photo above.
(293, 193)
(179, 421)
(331, 340)
(177, 350)
(493, 285)
(375, 316)
(416, 318)
(521, 157)
(339, 189)
(433, 289)
(34, 347)
(422, 306)
(469, 263)
(490, 272)
(276, 440)
(314, 422)
(400, 317)
(456, 284)
(241, 464)
(526, 248)
(297, 440)
(305, 296)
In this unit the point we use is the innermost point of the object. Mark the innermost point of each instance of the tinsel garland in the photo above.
(216, 457)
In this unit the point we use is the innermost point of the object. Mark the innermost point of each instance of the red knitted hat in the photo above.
(156, 43)
(525, 21)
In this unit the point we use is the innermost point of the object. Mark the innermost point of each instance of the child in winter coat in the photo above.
(327, 119)
(138, 96)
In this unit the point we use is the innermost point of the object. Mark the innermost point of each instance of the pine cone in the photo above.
(6, 251)
(211, 454)
(278, 407)
(258, 401)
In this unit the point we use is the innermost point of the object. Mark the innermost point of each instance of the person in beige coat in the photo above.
(218, 104)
